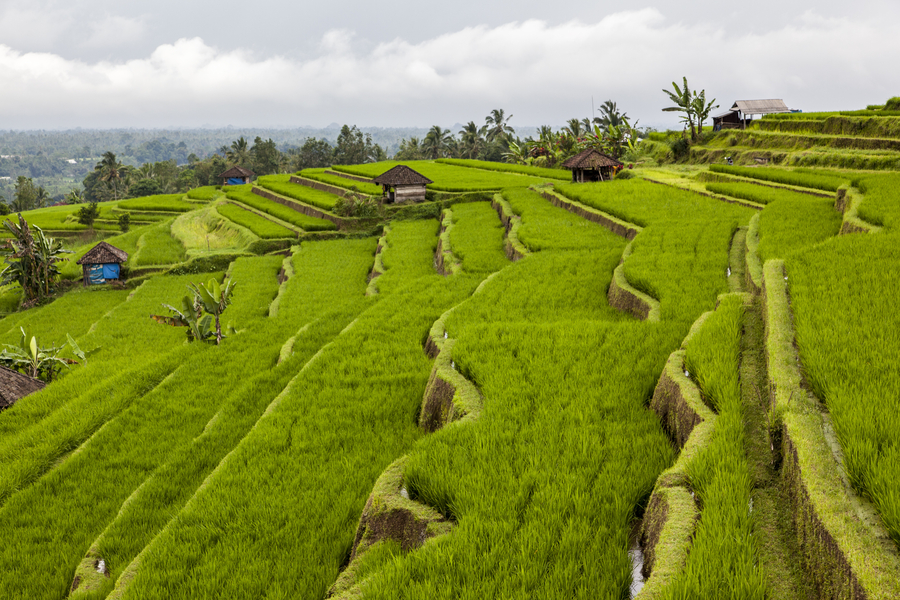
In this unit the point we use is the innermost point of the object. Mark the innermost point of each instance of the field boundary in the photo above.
(307, 210)
(625, 297)
(389, 513)
(848, 204)
(515, 249)
(318, 185)
(348, 176)
(445, 262)
(672, 513)
(618, 226)
(845, 547)
(721, 198)
(297, 230)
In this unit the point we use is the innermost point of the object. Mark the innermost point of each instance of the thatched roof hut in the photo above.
(402, 184)
(236, 176)
(592, 165)
(101, 263)
(742, 111)
(14, 386)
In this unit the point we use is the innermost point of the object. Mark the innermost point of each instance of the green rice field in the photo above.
(582, 403)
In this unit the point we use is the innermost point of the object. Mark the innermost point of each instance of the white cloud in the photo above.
(541, 73)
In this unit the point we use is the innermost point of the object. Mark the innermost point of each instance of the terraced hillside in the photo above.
(660, 387)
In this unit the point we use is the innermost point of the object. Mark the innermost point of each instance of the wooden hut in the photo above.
(742, 111)
(14, 386)
(402, 184)
(101, 263)
(592, 165)
(236, 176)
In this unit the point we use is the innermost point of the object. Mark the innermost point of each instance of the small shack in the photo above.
(236, 176)
(14, 386)
(592, 165)
(101, 263)
(402, 184)
(741, 113)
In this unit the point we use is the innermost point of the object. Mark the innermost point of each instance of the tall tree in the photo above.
(111, 171)
(498, 128)
(609, 116)
(266, 158)
(25, 197)
(437, 142)
(239, 153)
(472, 140)
(410, 149)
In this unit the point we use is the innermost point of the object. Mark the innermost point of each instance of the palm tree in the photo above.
(437, 142)
(472, 141)
(239, 153)
(517, 154)
(42, 197)
(576, 128)
(683, 102)
(609, 116)
(111, 171)
(498, 126)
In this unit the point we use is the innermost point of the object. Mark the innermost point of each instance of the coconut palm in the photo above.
(239, 153)
(112, 172)
(497, 124)
(609, 116)
(472, 141)
(576, 128)
(437, 143)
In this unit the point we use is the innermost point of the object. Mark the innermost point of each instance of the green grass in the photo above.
(796, 221)
(281, 184)
(543, 172)
(342, 182)
(880, 205)
(163, 203)
(262, 227)
(205, 231)
(476, 238)
(805, 178)
(750, 191)
(447, 177)
(203, 193)
(243, 194)
(845, 313)
(723, 558)
(157, 246)
(680, 228)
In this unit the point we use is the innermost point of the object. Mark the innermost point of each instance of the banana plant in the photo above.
(39, 362)
(215, 299)
(211, 298)
(190, 316)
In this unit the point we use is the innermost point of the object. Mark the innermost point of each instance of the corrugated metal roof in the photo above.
(761, 107)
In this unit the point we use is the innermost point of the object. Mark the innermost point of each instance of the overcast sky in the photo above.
(103, 64)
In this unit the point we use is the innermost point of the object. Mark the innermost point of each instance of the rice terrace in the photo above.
(599, 362)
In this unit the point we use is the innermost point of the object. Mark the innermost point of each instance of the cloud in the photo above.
(540, 73)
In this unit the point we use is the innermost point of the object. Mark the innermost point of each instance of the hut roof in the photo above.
(237, 172)
(101, 254)
(14, 386)
(591, 159)
(760, 107)
(402, 175)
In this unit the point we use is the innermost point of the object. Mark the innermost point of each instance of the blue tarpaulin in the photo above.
(95, 275)
(235, 181)
(111, 271)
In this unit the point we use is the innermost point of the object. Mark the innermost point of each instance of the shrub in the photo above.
(892, 104)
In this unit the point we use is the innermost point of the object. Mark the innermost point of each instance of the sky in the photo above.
(105, 64)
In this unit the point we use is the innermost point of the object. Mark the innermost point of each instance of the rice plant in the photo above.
(825, 181)
(343, 182)
(543, 172)
(260, 226)
(281, 184)
(164, 203)
(242, 193)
